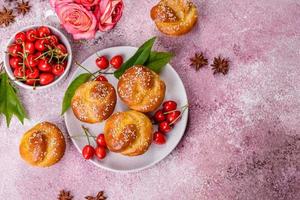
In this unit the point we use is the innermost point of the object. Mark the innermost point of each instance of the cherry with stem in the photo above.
(183, 110)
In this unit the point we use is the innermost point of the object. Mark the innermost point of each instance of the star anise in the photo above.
(23, 7)
(198, 61)
(64, 195)
(6, 16)
(220, 65)
(100, 196)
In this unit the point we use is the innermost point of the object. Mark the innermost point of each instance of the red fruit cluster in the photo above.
(37, 56)
(103, 63)
(166, 119)
(89, 151)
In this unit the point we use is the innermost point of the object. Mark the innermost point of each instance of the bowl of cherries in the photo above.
(38, 57)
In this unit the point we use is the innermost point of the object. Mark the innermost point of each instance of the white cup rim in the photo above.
(64, 41)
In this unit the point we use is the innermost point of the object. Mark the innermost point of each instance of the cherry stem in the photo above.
(52, 53)
(46, 37)
(25, 79)
(101, 72)
(181, 108)
(78, 136)
(42, 55)
(12, 54)
(85, 69)
(184, 109)
(63, 58)
(25, 55)
(86, 134)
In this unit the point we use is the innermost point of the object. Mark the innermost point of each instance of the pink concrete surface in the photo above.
(243, 136)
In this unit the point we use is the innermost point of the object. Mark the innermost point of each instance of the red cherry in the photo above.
(46, 78)
(31, 61)
(19, 72)
(159, 116)
(159, 138)
(58, 69)
(172, 116)
(88, 152)
(31, 35)
(102, 62)
(101, 140)
(53, 40)
(33, 73)
(101, 78)
(14, 49)
(164, 127)
(30, 82)
(100, 152)
(29, 48)
(61, 49)
(43, 31)
(169, 106)
(15, 62)
(41, 44)
(44, 65)
(116, 61)
(20, 37)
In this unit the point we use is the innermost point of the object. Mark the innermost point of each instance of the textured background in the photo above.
(243, 136)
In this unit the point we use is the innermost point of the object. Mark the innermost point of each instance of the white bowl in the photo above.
(63, 40)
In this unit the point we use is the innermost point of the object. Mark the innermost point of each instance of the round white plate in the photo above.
(114, 161)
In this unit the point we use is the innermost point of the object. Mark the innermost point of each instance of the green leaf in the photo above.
(157, 60)
(9, 102)
(139, 58)
(82, 78)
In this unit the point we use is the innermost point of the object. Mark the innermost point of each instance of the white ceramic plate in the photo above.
(117, 162)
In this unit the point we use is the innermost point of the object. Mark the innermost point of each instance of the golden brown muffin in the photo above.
(129, 133)
(94, 101)
(174, 17)
(141, 89)
(43, 145)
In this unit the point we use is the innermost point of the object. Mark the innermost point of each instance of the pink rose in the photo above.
(76, 19)
(88, 3)
(109, 13)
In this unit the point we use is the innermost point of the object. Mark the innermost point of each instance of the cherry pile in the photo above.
(103, 63)
(37, 56)
(166, 118)
(89, 151)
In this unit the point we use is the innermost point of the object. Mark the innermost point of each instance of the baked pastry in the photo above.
(94, 101)
(43, 145)
(129, 133)
(174, 17)
(141, 89)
